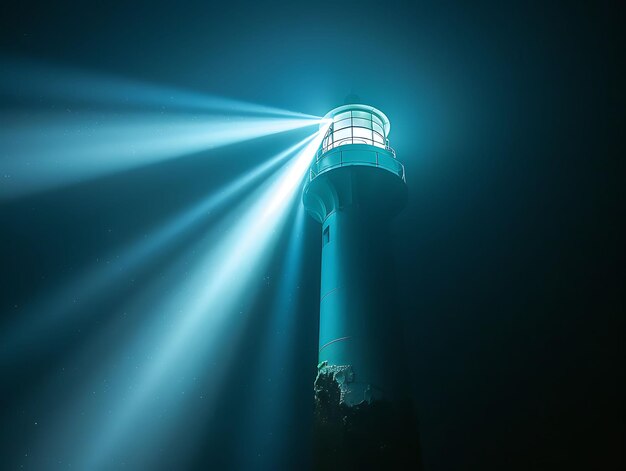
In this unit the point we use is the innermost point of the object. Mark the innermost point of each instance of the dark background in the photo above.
(509, 253)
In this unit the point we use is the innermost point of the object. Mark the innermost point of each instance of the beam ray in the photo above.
(64, 304)
(208, 295)
(27, 80)
(46, 151)
(266, 436)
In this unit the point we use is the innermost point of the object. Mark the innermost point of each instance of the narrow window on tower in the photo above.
(326, 236)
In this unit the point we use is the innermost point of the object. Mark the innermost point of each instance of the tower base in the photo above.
(370, 435)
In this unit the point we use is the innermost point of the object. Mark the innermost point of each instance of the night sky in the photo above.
(509, 254)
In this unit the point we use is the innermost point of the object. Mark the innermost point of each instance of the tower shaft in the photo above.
(359, 331)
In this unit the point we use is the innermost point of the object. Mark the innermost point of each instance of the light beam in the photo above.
(25, 80)
(265, 438)
(206, 302)
(45, 151)
(73, 298)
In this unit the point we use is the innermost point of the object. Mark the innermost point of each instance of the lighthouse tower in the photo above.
(356, 185)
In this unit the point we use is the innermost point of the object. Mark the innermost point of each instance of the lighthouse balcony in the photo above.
(357, 155)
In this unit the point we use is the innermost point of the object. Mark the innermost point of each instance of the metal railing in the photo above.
(357, 126)
(384, 161)
(352, 140)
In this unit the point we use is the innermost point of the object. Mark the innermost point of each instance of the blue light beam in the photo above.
(266, 435)
(72, 299)
(206, 300)
(23, 79)
(45, 151)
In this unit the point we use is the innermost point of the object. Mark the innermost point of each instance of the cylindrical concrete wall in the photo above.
(359, 325)
(360, 337)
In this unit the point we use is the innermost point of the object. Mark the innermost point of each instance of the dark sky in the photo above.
(509, 253)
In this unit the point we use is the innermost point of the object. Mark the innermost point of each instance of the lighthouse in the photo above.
(356, 185)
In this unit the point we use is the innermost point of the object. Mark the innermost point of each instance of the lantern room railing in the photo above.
(355, 127)
(358, 155)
